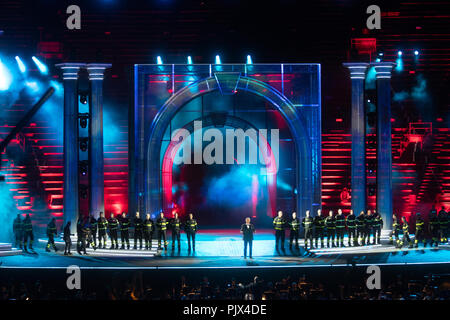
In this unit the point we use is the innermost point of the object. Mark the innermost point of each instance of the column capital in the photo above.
(70, 69)
(357, 69)
(97, 70)
(383, 69)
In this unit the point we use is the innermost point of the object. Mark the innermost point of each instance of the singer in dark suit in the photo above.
(247, 230)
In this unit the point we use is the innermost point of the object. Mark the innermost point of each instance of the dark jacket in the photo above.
(247, 231)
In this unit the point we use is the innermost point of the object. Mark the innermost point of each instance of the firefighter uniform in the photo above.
(94, 227)
(340, 230)
(102, 226)
(350, 221)
(369, 228)
(433, 223)
(113, 225)
(294, 233)
(443, 225)
(191, 229)
(330, 224)
(406, 238)
(161, 225)
(138, 226)
(81, 237)
(148, 233)
(18, 231)
(377, 226)
(175, 225)
(27, 232)
(395, 232)
(308, 223)
(361, 229)
(67, 239)
(420, 232)
(51, 232)
(279, 225)
(319, 231)
(124, 232)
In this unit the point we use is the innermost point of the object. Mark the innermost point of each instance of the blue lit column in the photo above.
(96, 171)
(384, 148)
(70, 191)
(358, 178)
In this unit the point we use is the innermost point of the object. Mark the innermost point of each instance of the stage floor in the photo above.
(224, 249)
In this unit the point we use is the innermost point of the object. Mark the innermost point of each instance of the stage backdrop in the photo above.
(255, 97)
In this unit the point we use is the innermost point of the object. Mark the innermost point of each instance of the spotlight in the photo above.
(159, 60)
(416, 52)
(5, 77)
(189, 60)
(218, 60)
(399, 53)
(83, 98)
(378, 60)
(83, 144)
(42, 67)
(83, 167)
(249, 59)
(380, 54)
(21, 65)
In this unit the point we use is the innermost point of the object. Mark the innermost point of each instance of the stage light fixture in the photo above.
(83, 167)
(378, 60)
(83, 98)
(83, 119)
(399, 53)
(83, 144)
(249, 59)
(42, 67)
(159, 60)
(5, 77)
(189, 60)
(218, 59)
(21, 65)
(380, 54)
(416, 52)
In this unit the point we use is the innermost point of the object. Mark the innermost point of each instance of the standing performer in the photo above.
(161, 225)
(124, 231)
(67, 239)
(51, 232)
(81, 236)
(191, 229)
(27, 232)
(294, 225)
(330, 224)
(395, 231)
(405, 229)
(102, 226)
(138, 225)
(113, 224)
(433, 225)
(369, 227)
(340, 228)
(247, 230)
(308, 223)
(420, 231)
(319, 226)
(443, 225)
(175, 225)
(377, 226)
(18, 231)
(148, 232)
(279, 224)
(350, 221)
(94, 227)
(361, 228)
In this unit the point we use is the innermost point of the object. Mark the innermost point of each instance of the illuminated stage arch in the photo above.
(229, 83)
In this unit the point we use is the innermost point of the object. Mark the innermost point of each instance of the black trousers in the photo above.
(331, 235)
(51, 241)
(81, 243)
(249, 244)
(352, 235)
(28, 235)
(279, 237)
(293, 237)
(138, 236)
(125, 237)
(176, 237)
(369, 232)
(308, 236)
(101, 238)
(376, 235)
(162, 236)
(340, 235)
(319, 233)
(419, 236)
(191, 236)
(361, 234)
(113, 236)
(148, 237)
(434, 235)
(18, 237)
(94, 236)
(68, 245)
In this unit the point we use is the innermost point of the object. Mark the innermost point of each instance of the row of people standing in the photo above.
(332, 227)
(91, 229)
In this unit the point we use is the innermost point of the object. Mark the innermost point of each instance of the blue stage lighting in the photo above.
(189, 60)
(378, 60)
(218, 60)
(21, 65)
(380, 54)
(5, 77)
(249, 60)
(159, 60)
(416, 52)
(399, 53)
(42, 67)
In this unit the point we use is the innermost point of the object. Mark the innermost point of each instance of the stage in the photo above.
(222, 249)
